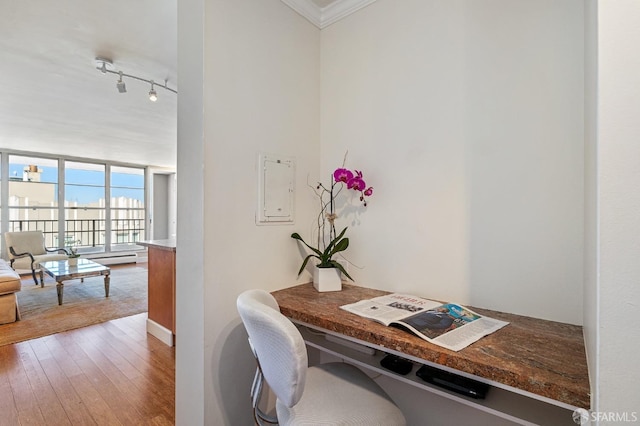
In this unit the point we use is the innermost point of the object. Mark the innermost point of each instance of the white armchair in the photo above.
(26, 250)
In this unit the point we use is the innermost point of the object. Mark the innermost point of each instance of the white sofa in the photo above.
(9, 286)
(26, 250)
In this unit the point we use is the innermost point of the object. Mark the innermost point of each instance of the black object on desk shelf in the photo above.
(397, 364)
(453, 382)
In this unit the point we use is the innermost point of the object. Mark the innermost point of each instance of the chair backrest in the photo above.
(277, 343)
(25, 242)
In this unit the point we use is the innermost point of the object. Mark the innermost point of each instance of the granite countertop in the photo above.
(545, 358)
(168, 244)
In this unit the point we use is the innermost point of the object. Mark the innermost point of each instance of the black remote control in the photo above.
(397, 364)
(453, 382)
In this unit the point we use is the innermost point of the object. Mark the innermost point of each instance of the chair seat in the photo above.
(25, 262)
(340, 394)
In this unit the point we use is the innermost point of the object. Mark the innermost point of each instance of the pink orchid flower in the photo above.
(356, 183)
(342, 175)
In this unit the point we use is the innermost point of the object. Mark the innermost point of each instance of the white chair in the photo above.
(26, 250)
(329, 394)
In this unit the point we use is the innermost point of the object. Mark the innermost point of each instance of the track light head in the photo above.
(122, 88)
(153, 96)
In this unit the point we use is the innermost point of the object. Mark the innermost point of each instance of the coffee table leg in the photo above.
(106, 285)
(60, 289)
(41, 278)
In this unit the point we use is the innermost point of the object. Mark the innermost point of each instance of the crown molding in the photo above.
(325, 16)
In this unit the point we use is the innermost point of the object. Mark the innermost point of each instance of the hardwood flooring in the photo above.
(111, 373)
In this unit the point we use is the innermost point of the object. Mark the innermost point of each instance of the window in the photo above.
(97, 207)
(127, 207)
(85, 208)
(33, 196)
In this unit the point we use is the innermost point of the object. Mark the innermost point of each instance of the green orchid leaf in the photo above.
(341, 246)
(339, 266)
(297, 236)
(341, 234)
(304, 263)
(334, 242)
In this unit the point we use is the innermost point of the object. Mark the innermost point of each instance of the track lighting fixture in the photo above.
(122, 88)
(153, 96)
(106, 66)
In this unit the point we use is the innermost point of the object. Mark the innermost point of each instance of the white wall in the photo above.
(618, 172)
(467, 118)
(190, 256)
(591, 308)
(259, 89)
(160, 202)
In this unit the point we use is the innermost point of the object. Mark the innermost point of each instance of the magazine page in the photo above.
(451, 326)
(389, 308)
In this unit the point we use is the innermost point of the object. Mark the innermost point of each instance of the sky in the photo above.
(87, 186)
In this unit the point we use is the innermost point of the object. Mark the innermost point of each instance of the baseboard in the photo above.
(162, 333)
(113, 258)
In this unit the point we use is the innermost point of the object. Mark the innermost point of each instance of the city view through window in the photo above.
(103, 206)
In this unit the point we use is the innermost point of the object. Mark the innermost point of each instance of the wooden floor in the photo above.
(111, 373)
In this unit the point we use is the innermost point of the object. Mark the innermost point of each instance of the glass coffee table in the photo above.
(60, 270)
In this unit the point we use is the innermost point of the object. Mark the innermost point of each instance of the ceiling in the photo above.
(53, 100)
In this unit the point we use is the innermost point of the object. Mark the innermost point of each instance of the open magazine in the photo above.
(449, 325)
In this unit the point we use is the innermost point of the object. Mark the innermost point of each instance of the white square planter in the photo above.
(326, 279)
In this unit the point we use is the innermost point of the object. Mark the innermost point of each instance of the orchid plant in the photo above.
(73, 250)
(342, 178)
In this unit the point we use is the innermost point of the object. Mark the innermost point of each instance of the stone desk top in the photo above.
(545, 358)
